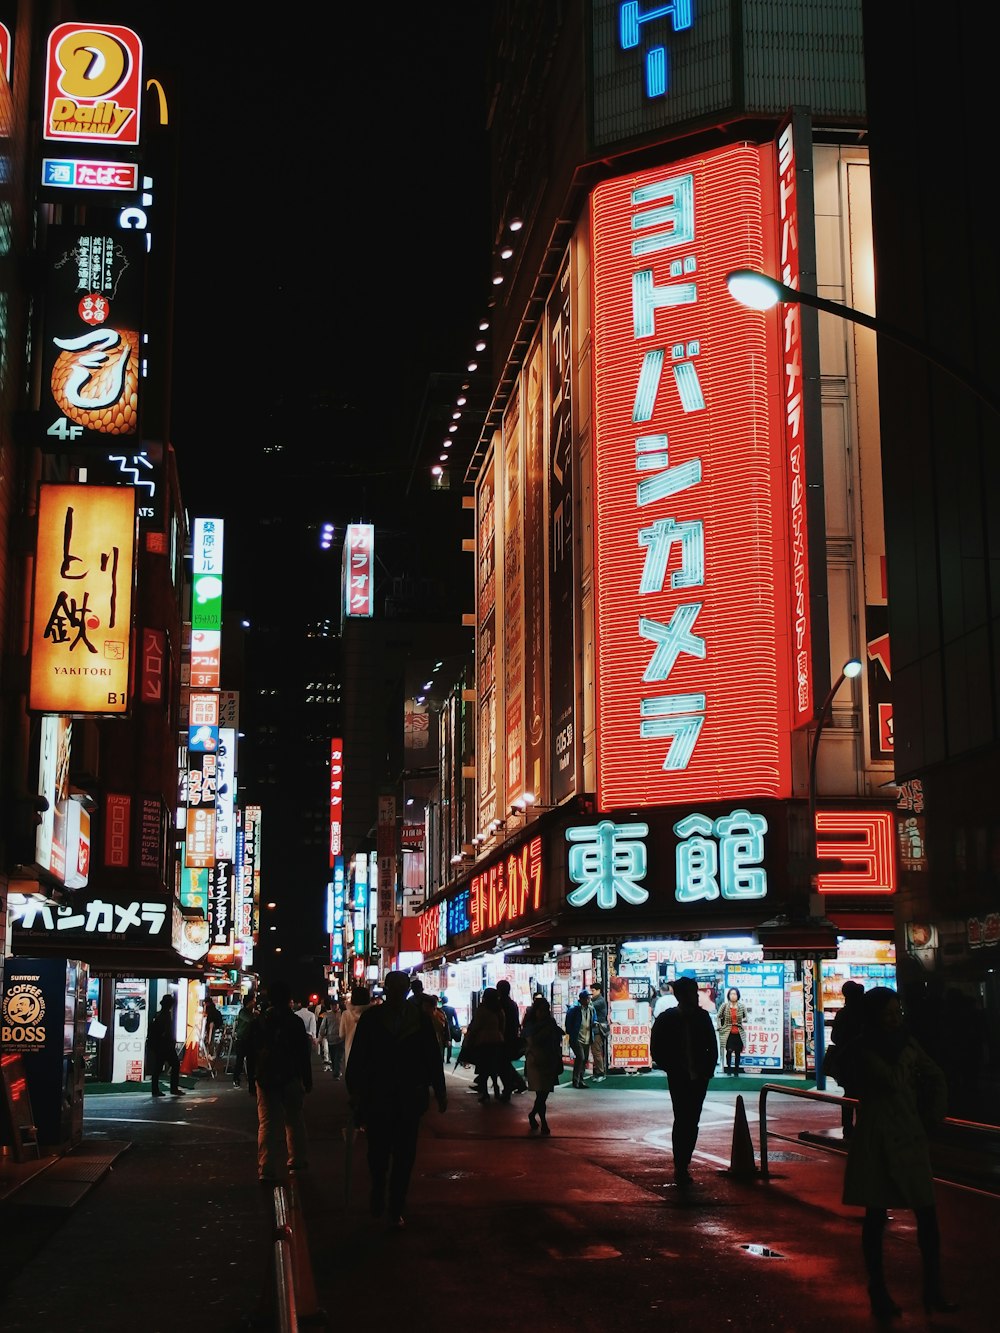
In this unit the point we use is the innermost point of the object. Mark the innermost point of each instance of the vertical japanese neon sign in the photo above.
(692, 580)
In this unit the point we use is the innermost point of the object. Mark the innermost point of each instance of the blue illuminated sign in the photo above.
(606, 863)
(721, 857)
(630, 23)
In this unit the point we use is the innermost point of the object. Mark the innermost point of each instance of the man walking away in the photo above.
(309, 1023)
(599, 1031)
(163, 1049)
(282, 1059)
(683, 1045)
(513, 1042)
(395, 1058)
(579, 1029)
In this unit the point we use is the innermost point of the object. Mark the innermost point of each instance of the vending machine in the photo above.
(44, 1021)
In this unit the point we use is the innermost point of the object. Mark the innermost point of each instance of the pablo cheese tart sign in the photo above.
(82, 601)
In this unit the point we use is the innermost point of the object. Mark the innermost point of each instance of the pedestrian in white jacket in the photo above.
(360, 1001)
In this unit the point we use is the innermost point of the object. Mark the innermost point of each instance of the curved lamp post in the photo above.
(758, 291)
(851, 668)
(848, 671)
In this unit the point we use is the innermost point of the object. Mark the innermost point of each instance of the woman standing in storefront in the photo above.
(731, 1021)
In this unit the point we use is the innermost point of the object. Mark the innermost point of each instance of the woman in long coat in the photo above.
(731, 1020)
(543, 1061)
(900, 1088)
(484, 1043)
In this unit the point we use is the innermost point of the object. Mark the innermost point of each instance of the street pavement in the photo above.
(582, 1231)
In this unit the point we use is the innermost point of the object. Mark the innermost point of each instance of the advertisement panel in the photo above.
(82, 601)
(513, 605)
(563, 580)
(486, 691)
(206, 574)
(52, 836)
(336, 799)
(533, 507)
(800, 381)
(691, 565)
(92, 334)
(358, 571)
(93, 84)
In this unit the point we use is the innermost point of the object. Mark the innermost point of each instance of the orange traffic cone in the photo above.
(742, 1163)
(189, 1059)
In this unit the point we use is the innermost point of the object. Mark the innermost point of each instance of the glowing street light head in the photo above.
(852, 668)
(754, 290)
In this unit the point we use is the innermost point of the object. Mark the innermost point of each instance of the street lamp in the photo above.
(758, 291)
(848, 671)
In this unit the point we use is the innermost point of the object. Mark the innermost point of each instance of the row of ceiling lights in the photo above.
(506, 252)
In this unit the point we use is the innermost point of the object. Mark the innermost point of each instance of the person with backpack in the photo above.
(683, 1044)
(282, 1062)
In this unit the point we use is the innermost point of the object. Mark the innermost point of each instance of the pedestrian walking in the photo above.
(429, 1004)
(282, 1058)
(308, 1017)
(241, 1032)
(543, 1038)
(213, 1023)
(599, 1032)
(900, 1091)
(731, 1020)
(483, 1044)
(360, 1001)
(513, 1042)
(330, 1034)
(454, 1027)
(162, 1043)
(683, 1044)
(579, 1029)
(395, 1061)
(846, 1028)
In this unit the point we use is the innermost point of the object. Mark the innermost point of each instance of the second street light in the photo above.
(758, 291)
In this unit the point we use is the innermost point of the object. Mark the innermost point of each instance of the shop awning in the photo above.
(123, 962)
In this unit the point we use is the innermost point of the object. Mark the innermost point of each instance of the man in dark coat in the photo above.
(513, 1043)
(846, 1028)
(163, 1049)
(684, 1046)
(395, 1058)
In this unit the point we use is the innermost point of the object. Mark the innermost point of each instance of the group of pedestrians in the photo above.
(394, 1064)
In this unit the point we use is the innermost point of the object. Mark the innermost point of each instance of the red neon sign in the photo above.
(692, 580)
(428, 926)
(508, 890)
(795, 444)
(862, 839)
(336, 799)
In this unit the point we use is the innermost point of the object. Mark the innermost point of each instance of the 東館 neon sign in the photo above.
(715, 858)
(693, 679)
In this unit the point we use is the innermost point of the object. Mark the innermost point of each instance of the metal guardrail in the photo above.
(284, 1267)
(807, 1093)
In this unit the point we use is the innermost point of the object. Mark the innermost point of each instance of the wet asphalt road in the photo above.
(582, 1231)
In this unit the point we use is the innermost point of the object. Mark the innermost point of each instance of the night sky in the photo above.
(333, 229)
